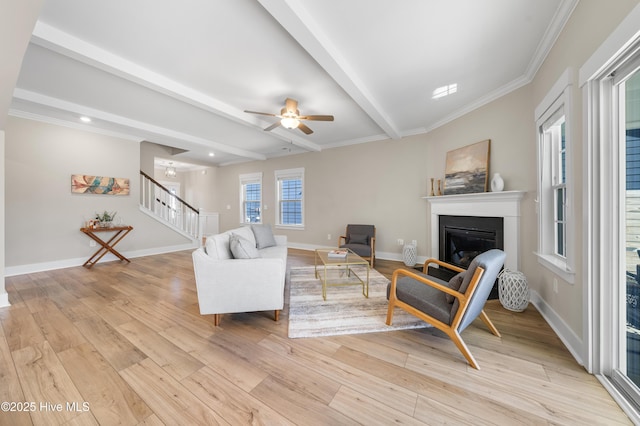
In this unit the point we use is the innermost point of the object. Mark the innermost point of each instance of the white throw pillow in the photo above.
(241, 248)
(221, 242)
(246, 233)
(210, 247)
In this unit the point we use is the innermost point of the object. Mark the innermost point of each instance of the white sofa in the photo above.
(229, 285)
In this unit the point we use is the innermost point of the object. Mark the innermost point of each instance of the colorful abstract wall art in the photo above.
(86, 184)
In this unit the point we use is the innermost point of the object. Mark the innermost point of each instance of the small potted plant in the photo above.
(106, 219)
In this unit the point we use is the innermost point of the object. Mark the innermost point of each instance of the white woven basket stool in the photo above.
(513, 290)
(410, 254)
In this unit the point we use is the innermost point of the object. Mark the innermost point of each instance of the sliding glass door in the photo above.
(625, 98)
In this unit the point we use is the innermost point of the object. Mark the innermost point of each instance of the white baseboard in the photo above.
(4, 299)
(70, 263)
(379, 254)
(573, 343)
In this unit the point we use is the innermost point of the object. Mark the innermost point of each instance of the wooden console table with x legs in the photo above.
(106, 246)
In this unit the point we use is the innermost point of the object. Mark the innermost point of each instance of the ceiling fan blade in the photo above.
(305, 129)
(291, 105)
(316, 117)
(273, 126)
(261, 113)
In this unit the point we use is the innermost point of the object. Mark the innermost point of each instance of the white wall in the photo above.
(43, 217)
(200, 189)
(4, 297)
(17, 20)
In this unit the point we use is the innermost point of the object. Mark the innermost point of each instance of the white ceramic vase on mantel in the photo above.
(497, 184)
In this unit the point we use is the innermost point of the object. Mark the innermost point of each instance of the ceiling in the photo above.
(182, 73)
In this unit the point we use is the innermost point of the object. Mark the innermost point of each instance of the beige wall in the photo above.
(43, 217)
(382, 182)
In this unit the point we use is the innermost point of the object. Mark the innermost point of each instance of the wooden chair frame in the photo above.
(342, 239)
(463, 298)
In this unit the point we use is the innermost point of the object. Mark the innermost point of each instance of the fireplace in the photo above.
(486, 207)
(464, 237)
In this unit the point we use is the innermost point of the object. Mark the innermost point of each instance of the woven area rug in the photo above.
(346, 310)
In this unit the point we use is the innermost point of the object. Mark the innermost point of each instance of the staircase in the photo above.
(158, 202)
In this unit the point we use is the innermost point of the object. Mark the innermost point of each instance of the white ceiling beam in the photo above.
(51, 38)
(297, 21)
(147, 128)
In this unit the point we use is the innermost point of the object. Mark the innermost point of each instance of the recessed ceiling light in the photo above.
(443, 91)
(211, 154)
(85, 119)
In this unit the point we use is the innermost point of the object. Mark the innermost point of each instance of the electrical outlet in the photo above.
(92, 243)
(328, 236)
(555, 285)
(414, 243)
(400, 241)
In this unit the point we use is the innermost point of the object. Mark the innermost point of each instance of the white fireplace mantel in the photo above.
(504, 204)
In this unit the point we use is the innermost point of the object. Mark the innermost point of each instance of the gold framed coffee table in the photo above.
(324, 260)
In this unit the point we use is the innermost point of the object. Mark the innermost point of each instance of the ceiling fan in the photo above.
(290, 117)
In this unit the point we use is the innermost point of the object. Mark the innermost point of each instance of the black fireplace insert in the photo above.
(462, 238)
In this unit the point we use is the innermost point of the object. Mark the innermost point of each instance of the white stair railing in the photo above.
(168, 207)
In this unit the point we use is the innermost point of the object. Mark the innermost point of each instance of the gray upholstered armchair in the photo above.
(452, 306)
(361, 239)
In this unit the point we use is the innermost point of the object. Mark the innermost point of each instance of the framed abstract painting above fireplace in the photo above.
(467, 169)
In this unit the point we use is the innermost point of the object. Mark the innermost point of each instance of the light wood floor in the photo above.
(125, 344)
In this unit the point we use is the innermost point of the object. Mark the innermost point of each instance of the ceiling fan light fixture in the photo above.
(290, 122)
(290, 117)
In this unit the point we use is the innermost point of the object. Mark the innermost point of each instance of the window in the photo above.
(554, 189)
(290, 198)
(250, 198)
(556, 139)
